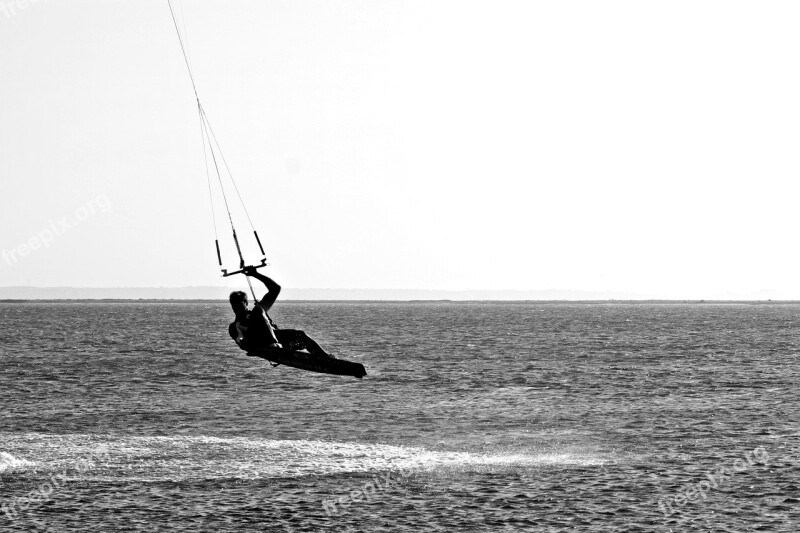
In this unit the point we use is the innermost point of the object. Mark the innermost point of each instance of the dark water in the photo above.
(474, 417)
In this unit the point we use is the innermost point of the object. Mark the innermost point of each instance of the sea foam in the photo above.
(10, 463)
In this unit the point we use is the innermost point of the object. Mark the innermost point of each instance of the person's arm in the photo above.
(273, 289)
(237, 334)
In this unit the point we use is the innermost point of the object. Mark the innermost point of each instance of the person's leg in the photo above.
(312, 346)
(298, 340)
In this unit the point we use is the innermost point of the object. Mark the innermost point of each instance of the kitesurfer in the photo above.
(254, 328)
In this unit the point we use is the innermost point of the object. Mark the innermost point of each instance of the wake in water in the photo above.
(182, 458)
(9, 463)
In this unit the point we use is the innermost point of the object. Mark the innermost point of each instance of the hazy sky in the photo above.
(649, 147)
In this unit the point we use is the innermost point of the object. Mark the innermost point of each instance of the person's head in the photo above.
(238, 301)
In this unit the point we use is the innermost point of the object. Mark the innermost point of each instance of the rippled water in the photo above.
(474, 416)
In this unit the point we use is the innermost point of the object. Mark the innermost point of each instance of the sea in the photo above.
(474, 416)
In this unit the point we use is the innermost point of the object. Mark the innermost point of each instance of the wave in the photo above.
(9, 463)
(186, 458)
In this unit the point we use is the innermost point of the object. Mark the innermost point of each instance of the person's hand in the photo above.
(249, 271)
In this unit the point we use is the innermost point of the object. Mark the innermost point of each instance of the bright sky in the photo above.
(649, 147)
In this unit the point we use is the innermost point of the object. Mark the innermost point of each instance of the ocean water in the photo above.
(474, 417)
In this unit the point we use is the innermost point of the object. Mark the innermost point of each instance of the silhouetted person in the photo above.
(254, 329)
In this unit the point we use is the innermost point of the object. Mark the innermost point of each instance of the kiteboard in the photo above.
(307, 361)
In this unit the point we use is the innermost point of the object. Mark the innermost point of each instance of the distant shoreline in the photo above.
(217, 293)
(549, 302)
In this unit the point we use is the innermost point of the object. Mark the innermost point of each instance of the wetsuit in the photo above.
(254, 332)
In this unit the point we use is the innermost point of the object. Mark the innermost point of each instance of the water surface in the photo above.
(474, 416)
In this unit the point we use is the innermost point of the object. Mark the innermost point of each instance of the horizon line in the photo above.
(220, 293)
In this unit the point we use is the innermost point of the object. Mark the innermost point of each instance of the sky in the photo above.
(646, 147)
